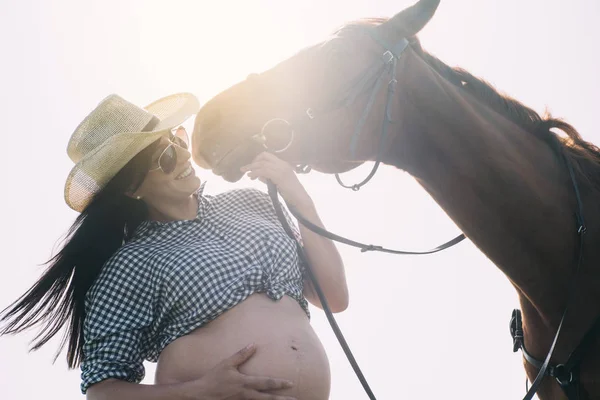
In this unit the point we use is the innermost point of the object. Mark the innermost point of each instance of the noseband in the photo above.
(386, 67)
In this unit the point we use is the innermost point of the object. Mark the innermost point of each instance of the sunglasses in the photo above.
(167, 161)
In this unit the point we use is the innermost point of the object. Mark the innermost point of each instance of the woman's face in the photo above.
(171, 178)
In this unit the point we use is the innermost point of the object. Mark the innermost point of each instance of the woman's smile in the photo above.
(189, 171)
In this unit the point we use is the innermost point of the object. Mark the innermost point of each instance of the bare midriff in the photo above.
(287, 347)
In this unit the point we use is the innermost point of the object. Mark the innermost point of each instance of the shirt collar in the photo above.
(148, 226)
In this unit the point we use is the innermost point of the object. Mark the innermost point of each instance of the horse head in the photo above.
(322, 107)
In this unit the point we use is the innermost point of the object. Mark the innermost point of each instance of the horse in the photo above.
(517, 184)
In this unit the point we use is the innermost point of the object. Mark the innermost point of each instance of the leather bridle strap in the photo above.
(566, 374)
(369, 247)
(361, 122)
(390, 58)
(581, 229)
(304, 260)
(301, 254)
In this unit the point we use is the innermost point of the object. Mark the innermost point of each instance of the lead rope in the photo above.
(334, 326)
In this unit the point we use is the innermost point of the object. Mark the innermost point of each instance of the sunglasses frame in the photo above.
(183, 143)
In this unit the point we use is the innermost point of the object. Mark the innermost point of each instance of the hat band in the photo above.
(150, 125)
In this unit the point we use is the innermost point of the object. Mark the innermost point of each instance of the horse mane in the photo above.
(584, 156)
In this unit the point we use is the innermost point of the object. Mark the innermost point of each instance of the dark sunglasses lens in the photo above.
(181, 138)
(168, 160)
(180, 142)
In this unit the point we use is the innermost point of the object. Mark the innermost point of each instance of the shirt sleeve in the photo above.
(118, 314)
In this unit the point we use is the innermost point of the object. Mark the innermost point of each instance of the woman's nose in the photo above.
(183, 154)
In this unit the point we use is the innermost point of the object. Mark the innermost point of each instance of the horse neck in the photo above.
(504, 188)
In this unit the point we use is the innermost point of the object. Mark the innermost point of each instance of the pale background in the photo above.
(421, 327)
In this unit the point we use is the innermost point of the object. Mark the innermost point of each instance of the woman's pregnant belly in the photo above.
(287, 347)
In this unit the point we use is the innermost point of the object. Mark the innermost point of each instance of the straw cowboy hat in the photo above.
(112, 134)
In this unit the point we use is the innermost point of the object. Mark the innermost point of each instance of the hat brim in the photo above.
(99, 166)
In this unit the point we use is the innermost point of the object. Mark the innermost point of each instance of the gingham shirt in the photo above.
(174, 277)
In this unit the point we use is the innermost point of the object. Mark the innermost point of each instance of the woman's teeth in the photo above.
(185, 173)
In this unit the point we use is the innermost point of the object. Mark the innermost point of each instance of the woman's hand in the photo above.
(267, 166)
(226, 382)
(321, 252)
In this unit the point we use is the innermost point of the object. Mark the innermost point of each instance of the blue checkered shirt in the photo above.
(174, 277)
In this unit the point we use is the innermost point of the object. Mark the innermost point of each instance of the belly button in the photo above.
(294, 348)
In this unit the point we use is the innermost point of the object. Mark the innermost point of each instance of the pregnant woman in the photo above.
(208, 286)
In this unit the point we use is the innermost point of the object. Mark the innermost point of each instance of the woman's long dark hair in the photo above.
(57, 298)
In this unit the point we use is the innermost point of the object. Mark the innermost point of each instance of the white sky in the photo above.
(421, 327)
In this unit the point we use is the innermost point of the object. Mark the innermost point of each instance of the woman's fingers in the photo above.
(240, 357)
(267, 166)
(263, 383)
(266, 173)
(267, 159)
(267, 396)
(270, 157)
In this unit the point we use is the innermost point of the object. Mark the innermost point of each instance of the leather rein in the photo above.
(387, 66)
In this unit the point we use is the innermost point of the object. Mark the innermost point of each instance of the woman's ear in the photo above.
(133, 195)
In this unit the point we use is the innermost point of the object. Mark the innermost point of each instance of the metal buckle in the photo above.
(262, 138)
(370, 247)
(303, 169)
(559, 372)
(390, 57)
(516, 329)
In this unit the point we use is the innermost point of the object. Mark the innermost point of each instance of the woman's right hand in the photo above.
(226, 382)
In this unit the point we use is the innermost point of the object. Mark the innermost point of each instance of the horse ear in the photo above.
(411, 20)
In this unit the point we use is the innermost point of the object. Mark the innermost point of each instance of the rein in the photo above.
(570, 369)
(387, 66)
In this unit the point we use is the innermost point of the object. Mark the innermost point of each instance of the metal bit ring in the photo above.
(261, 138)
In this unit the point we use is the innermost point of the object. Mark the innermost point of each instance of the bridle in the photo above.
(567, 373)
(386, 67)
